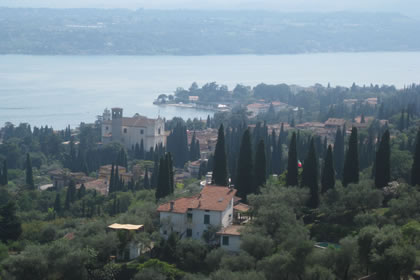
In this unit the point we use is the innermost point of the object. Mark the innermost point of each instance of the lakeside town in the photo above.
(318, 169)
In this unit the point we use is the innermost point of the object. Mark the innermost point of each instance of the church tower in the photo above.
(117, 115)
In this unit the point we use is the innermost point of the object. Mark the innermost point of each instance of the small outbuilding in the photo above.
(132, 248)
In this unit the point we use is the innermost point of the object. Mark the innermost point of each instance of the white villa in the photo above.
(132, 131)
(190, 216)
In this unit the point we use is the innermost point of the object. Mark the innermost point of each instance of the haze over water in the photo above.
(61, 90)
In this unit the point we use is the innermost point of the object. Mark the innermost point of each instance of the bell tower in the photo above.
(117, 115)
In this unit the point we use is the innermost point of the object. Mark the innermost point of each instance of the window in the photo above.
(159, 131)
(165, 232)
(106, 128)
(141, 131)
(225, 240)
(189, 217)
(189, 232)
(206, 219)
(125, 130)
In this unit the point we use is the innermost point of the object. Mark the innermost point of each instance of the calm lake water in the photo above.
(61, 90)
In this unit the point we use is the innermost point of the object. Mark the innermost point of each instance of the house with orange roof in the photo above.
(230, 237)
(190, 217)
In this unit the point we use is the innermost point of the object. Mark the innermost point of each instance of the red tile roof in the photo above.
(241, 207)
(231, 230)
(214, 198)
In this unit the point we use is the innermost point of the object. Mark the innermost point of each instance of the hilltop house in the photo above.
(191, 216)
(132, 131)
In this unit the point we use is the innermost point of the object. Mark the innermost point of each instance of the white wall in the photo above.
(198, 226)
(179, 222)
(150, 136)
(134, 136)
(175, 221)
(234, 243)
(227, 215)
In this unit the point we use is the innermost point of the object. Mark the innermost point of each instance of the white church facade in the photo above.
(131, 131)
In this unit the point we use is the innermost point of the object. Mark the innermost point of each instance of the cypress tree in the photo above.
(260, 166)
(29, 174)
(193, 153)
(72, 190)
(272, 146)
(137, 151)
(244, 181)
(57, 204)
(328, 173)
(220, 175)
(292, 163)
(163, 180)
(116, 179)
(170, 171)
(383, 162)
(279, 156)
(208, 122)
(339, 153)
(146, 183)
(282, 134)
(155, 173)
(141, 151)
(197, 149)
(310, 176)
(111, 186)
(81, 191)
(122, 158)
(351, 164)
(415, 168)
(67, 202)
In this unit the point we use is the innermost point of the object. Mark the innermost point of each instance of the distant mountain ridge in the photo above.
(200, 32)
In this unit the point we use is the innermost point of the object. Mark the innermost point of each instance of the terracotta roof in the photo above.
(214, 198)
(333, 121)
(310, 124)
(125, 226)
(231, 230)
(100, 185)
(138, 121)
(241, 207)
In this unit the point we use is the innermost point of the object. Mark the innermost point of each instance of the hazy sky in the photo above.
(411, 7)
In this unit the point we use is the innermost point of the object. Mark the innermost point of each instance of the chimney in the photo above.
(171, 206)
